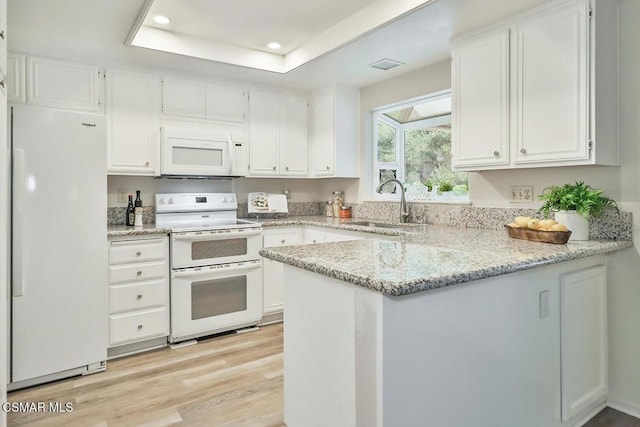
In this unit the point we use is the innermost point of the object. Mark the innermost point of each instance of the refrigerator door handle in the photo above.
(18, 241)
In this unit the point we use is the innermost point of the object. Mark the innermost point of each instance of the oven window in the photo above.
(210, 249)
(216, 297)
(189, 156)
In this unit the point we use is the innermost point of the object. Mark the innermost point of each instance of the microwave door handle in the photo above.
(223, 270)
(215, 236)
(232, 155)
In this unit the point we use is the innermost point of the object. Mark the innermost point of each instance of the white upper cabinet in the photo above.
(335, 132)
(201, 100)
(277, 134)
(64, 85)
(133, 109)
(480, 72)
(550, 99)
(561, 59)
(15, 78)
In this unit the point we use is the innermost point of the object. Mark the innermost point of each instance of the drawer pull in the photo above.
(139, 273)
(139, 296)
(139, 327)
(138, 253)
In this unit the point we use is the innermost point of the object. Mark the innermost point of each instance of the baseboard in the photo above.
(626, 407)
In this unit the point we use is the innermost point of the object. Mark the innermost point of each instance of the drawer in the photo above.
(138, 326)
(138, 272)
(126, 251)
(283, 239)
(138, 296)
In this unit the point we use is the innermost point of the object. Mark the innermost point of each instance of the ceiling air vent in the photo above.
(385, 64)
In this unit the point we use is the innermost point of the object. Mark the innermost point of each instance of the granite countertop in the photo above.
(123, 230)
(431, 257)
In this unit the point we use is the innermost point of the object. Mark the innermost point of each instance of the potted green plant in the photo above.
(574, 204)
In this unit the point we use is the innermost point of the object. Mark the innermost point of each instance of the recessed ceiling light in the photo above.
(274, 45)
(159, 19)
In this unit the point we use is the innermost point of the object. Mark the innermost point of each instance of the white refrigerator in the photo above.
(59, 301)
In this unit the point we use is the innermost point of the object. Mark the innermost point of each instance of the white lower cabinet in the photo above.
(272, 270)
(138, 293)
(583, 339)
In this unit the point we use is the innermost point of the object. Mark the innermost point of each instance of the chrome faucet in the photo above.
(404, 215)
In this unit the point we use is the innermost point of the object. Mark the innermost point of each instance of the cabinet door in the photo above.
(133, 108)
(226, 103)
(3, 37)
(293, 133)
(480, 90)
(583, 334)
(183, 98)
(65, 85)
(272, 271)
(324, 134)
(15, 78)
(550, 92)
(264, 117)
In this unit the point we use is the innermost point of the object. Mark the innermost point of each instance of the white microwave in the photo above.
(202, 152)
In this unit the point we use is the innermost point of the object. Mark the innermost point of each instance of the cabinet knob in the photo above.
(523, 151)
(139, 273)
(138, 253)
(139, 327)
(139, 296)
(496, 154)
(282, 241)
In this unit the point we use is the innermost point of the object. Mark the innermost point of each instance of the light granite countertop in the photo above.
(123, 230)
(419, 258)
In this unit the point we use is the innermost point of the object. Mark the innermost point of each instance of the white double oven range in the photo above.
(216, 274)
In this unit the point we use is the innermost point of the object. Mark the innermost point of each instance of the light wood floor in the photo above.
(230, 380)
(227, 380)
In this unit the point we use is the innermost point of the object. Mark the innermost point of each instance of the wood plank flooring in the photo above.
(228, 380)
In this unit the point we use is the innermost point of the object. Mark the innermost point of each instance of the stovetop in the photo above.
(199, 211)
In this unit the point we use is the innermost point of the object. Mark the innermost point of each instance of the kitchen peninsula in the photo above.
(444, 326)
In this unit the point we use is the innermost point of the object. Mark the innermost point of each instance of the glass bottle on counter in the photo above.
(338, 201)
(328, 211)
(138, 210)
(130, 214)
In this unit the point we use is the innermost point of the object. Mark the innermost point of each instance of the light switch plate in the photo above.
(521, 193)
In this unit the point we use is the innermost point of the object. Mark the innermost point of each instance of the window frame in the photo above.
(401, 128)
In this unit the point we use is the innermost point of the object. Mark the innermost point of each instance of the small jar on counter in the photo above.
(329, 208)
(345, 212)
(338, 201)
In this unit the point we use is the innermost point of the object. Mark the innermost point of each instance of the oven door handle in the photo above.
(208, 271)
(215, 236)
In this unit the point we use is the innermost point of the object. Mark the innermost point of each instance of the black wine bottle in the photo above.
(130, 216)
(138, 210)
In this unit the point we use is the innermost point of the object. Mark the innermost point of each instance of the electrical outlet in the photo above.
(122, 196)
(521, 193)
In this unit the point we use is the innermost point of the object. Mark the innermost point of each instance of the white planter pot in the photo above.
(578, 224)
